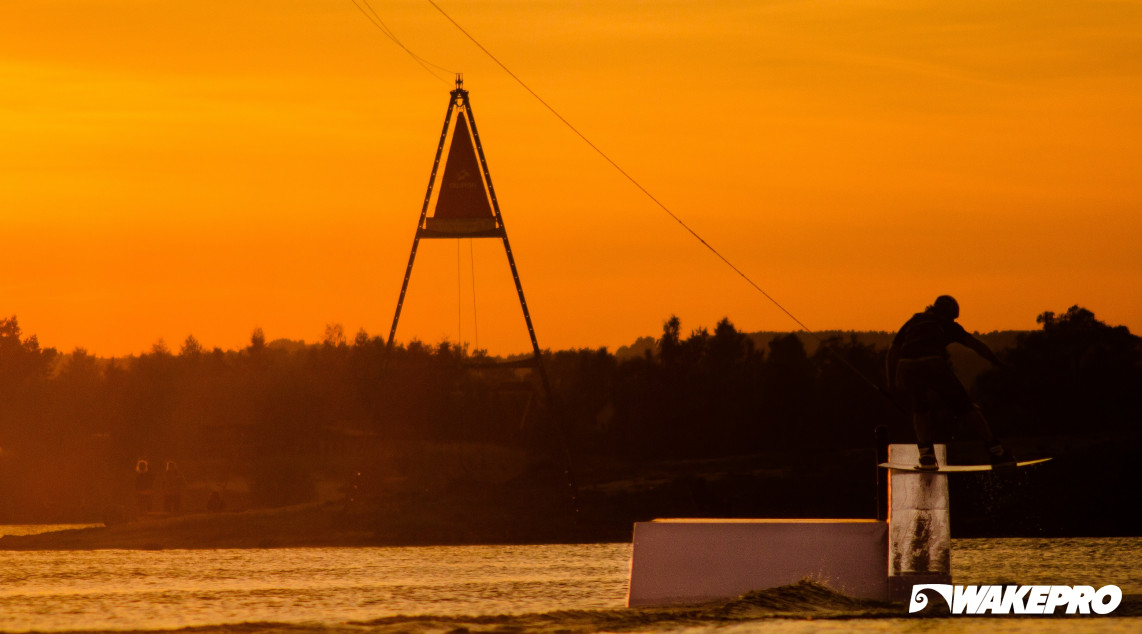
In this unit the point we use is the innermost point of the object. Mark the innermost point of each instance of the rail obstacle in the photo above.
(694, 560)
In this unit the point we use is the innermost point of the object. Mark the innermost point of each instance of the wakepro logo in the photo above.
(1018, 599)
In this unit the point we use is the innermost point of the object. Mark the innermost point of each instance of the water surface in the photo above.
(570, 588)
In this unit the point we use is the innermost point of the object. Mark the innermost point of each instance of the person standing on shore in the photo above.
(144, 486)
(173, 484)
(920, 368)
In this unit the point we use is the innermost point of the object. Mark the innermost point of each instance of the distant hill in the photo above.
(968, 364)
(997, 340)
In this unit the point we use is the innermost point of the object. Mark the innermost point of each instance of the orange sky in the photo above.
(207, 167)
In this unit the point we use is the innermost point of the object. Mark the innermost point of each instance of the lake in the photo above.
(566, 588)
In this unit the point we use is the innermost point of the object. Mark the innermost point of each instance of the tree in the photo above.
(24, 372)
(257, 341)
(1075, 369)
(787, 386)
(22, 359)
(669, 346)
(191, 347)
(361, 339)
(334, 336)
(728, 347)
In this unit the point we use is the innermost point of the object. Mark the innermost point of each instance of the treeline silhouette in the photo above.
(282, 422)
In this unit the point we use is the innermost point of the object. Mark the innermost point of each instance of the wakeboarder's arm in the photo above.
(981, 349)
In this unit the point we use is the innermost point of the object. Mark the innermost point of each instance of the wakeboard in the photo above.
(958, 468)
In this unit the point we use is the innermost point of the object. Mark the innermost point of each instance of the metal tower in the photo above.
(466, 207)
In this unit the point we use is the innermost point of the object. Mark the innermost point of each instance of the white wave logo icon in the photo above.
(919, 600)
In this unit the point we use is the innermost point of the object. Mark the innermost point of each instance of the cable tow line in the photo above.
(375, 19)
(666, 209)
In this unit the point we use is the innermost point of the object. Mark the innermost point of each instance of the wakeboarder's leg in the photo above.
(922, 422)
(996, 452)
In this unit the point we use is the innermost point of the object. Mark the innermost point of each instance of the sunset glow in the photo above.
(210, 167)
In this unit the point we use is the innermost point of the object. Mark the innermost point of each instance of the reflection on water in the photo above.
(1065, 561)
(106, 589)
(545, 587)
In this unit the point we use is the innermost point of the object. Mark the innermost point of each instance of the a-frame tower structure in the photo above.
(466, 206)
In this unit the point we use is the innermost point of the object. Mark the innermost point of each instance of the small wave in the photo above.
(802, 600)
(807, 599)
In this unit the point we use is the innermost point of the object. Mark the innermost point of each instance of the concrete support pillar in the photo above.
(919, 524)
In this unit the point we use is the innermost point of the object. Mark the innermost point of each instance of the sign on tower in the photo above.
(462, 205)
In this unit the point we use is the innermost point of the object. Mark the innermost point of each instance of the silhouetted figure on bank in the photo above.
(215, 503)
(144, 486)
(920, 368)
(173, 484)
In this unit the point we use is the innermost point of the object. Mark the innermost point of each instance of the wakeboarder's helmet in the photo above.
(947, 306)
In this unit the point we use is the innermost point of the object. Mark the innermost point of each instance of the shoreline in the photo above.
(319, 524)
(325, 525)
(538, 510)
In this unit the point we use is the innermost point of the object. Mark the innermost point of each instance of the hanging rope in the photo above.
(459, 300)
(475, 317)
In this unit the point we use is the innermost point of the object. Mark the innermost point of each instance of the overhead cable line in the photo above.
(375, 19)
(656, 201)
